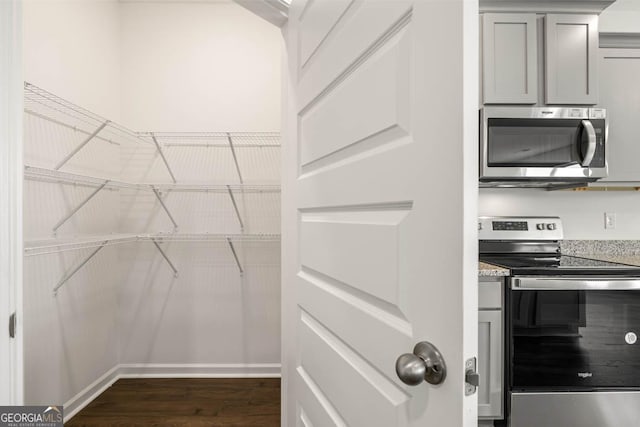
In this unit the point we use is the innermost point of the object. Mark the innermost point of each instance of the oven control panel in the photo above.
(519, 228)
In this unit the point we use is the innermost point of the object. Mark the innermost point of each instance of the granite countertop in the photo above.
(621, 258)
(622, 251)
(488, 270)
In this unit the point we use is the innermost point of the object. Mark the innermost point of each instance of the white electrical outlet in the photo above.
(609, 220)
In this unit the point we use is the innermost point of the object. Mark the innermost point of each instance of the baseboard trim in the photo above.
(157, 370)
(151, 370)
(93, 390)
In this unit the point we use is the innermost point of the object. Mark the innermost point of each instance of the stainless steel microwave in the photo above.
(542, 146)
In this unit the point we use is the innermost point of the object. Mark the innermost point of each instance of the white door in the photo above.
(10, 199)
(379, 209)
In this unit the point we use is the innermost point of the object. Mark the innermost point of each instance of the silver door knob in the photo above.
(424, 364)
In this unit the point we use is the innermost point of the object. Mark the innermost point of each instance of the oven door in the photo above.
(566, 145)
(574, 334)
(573, 352)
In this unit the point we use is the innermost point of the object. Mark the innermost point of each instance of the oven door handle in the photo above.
(562, 284)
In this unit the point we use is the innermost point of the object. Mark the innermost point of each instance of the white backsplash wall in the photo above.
(582, 212)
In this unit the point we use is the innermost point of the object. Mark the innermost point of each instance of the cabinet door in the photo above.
(509, 58)
(620, 95)
(571, 48)
(490, 364)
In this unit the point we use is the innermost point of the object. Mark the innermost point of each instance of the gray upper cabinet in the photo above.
(571, 49)
(620, 95)
(509, 58)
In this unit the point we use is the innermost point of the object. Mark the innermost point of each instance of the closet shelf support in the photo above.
(235, 255)
(166, 258)
(159, 197)
(77, 208)
(235, 207)
(235, 158)
(81, 146)
(164, 159)
(67, 277)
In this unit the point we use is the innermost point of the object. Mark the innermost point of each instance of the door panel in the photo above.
(339, 247)
(373, 99)
(379, 209)
(316, 21)
(348, 313)
(353, 38)
(331, 364)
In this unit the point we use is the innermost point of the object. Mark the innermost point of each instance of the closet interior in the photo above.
(152, 253)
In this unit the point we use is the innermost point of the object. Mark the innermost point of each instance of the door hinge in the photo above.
(471, 377)
(12, 325)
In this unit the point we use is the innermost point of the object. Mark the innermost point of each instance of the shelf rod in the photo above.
(73, 212)
(66, 278)
(79, 147)
(235, 159)
(157, 193)
(164, 159)
(235, 255)
(235, 206)
(166, 258)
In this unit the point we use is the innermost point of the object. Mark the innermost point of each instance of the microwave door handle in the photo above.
(591, 146)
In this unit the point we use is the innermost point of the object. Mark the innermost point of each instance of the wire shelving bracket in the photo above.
(166, 258)
(235, 158)
(77, 208)
(164, 159)
(235, 255)
(235, 207)
(81, 146)
(68, 276)
(159, 197)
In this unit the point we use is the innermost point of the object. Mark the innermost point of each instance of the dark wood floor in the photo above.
(185, 402)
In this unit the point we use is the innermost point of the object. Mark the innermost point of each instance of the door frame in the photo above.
(11, 161)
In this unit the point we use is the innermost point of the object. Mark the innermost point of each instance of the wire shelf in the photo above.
(211, 237)
(52, 246)
(46, 105)
(58, 177)
(215, 139)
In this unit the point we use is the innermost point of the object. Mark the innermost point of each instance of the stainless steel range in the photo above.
(572, 354)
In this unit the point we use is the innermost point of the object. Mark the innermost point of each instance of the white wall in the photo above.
(72, 48)
(582, 212)
(623, 16)
(199, 67)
